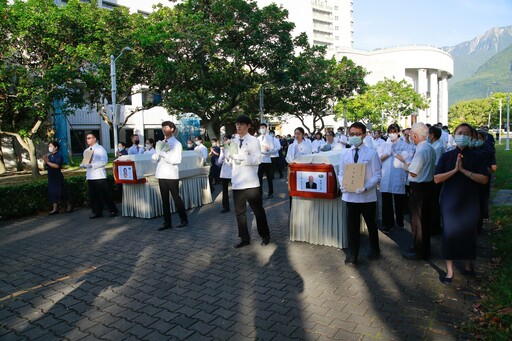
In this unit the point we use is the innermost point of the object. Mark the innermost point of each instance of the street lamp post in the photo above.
(507, 143)
(499, 127)
(261, 94)
(115, 117)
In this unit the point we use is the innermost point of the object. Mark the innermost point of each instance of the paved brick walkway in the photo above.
(67, 277)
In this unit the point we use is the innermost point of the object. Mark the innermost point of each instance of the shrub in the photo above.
(25, 199)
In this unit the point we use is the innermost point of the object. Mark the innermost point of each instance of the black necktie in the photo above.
(241, 140)
(356, 155)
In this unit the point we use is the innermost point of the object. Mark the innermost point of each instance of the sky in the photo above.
(389, 23)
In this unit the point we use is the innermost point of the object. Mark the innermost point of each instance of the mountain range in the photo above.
(481, 65)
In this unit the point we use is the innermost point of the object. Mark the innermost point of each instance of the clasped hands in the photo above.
(358, 191)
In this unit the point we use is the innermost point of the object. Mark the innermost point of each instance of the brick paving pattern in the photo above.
(68, 277)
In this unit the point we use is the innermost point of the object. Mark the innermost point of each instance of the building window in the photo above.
(336, 8)
(78, 141)
(109, 5)
(336, 17)
(336, 28)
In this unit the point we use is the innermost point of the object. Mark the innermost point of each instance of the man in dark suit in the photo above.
(311, 183)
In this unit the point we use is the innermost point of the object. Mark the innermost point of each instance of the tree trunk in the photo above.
(2, 163)
(32, 156)
(213, 128)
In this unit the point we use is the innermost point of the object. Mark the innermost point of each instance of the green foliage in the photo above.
(205, 56)
(25, 199)
(476, 112)
(387, 101)
(313, 84)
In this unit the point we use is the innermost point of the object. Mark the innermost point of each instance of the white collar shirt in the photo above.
(167, 167)
(267, 147)
(372, 176)
(245, 173)
(98, 162)
(423, 163)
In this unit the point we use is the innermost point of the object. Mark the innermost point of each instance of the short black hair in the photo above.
(263, 124)
(169, 124)
(299, 129)
(55, 143)
(244, 119)
(436, 131)
(91, 133)
(358, 125)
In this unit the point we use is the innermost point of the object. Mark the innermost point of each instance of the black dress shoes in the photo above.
(411, 255)
(445, 280)
(164, 227)
(265, 241)
(351, 261)
(242, 243)
(114, 213)
(225, 210)
(53, 212)
(96, 216)
(182, 224)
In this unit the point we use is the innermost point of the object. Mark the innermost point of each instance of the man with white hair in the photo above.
(421, 182)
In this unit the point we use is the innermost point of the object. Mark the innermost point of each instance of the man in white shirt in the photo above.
(167, 173)
(317, 143)
(274, 156)
(265, 167)
(364, 200)
(135, 148)
(96, 175)
(421, 182)
(341, 138)
(246, 185)
(201, 148)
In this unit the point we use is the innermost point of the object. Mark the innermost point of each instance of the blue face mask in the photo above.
(355, 140)
(462, 140)
(479, 143)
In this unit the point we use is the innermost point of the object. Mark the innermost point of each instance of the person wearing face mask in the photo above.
(150, 147)
(56, 188)
(317, 143)
(461, 171)
(135, 148)
(434, 134)
(190, 144)
(341, 138)
(214, 162)
(201, 148)
(265, 167)
(392, 184)
(364, 200)
(488, 154)
(421, 182)
(275, 154)
(121, 149)
(330, 144)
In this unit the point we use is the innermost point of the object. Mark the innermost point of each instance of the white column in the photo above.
(434, 91)
(421, 88)
(443, 100)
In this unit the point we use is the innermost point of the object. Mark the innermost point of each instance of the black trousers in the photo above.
(99, 194)
(420, 208)
(435, 223)
(267, 169)
(253, 197)
(225, 193)
(369, 212)
(388, 218)
(276, 164)
(173, 186)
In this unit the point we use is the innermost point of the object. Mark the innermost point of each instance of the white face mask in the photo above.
(355, 140)
(51, 149)
(263, 131)
(198, 143)
(148, 146)
(190, 145)
(393, 136)
(120, 149)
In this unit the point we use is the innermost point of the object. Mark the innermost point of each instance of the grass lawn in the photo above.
(493, 320)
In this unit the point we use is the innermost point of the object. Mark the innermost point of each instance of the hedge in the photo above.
(26, 199)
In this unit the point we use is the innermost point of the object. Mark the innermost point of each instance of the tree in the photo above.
(206, 56)
(387, 100)
(476, 112)
(313, 84)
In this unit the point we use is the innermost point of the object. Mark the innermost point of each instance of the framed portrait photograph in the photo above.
(310, 181)
(125, 172)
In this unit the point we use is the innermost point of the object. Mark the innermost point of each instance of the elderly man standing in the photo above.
(96, 176)
(246, 184)
(421, 182)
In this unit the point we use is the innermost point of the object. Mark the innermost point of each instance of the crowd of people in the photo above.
(441, 180)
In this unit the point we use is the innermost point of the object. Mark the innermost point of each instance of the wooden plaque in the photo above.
(87, 156)
(353, 176)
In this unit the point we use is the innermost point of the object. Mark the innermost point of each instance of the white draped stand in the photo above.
(320, 221)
